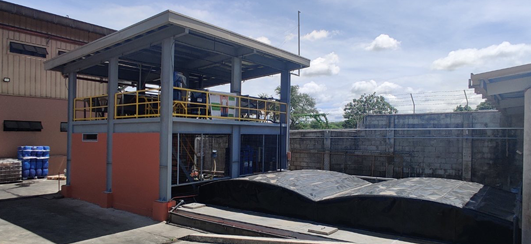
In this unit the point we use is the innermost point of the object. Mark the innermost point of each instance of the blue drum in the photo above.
(26, 164)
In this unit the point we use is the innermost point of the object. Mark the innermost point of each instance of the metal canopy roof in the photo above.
(202, 51)
(504, 88)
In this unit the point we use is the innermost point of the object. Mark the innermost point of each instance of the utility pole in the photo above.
(413, 101)
(298, 39)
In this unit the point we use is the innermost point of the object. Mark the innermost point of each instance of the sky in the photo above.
(424, 49)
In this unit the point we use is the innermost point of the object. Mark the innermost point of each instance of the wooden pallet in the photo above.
(56, 177)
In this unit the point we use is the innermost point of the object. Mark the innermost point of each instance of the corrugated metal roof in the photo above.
(53, 18)
(504, 88)
(202, 49)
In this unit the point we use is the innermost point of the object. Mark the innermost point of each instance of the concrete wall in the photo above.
(418, 145)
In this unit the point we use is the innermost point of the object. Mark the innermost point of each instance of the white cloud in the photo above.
(362, 87)
(264, 40)
(316, 35)
(317, 91)
(383, 42)
(474, 56)
(385, 88)
(323, 66)
(289, 37)
(312, 88)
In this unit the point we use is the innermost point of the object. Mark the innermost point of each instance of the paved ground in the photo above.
(32, 212)
(29, 188)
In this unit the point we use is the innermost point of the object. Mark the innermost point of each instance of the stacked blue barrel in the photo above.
(34, 161)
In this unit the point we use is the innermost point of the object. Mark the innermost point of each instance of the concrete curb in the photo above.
(231, 239)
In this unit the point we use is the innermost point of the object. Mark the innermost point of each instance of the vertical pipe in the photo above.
(263, 153)
(526, 185)
(202, 157)
(72, 88)
(166, 119)
(299, 33)
(178, 157)
(112, 87)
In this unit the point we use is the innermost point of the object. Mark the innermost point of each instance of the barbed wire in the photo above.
(424, 102)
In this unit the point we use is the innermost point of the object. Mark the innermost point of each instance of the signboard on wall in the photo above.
(222, 105)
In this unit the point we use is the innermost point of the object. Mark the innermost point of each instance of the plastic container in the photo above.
(33, 151)
(26, 151)
(32, 173)
(45, 163)
(38, 172)
(46, 152)
(33, 163)
(25, 174)
(44, 172)
(25, 164)
(38, 164)
(38, 151)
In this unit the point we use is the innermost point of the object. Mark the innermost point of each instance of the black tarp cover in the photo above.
(441, 209)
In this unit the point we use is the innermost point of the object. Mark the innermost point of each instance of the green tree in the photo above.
(485, 105)
(336, 125)
(367, 104)
(301, 103)
(461, 108)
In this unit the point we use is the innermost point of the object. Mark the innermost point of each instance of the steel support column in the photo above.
(236, 76)
(72, 89)
(526, 185)
(112, 87)
(166, 114)
(236, 87)
(285, 97)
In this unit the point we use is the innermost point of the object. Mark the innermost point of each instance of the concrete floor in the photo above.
(33, 212)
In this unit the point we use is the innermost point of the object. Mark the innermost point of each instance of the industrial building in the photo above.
(34, 101)
(509, 91)
(137, 114)
(129, 149)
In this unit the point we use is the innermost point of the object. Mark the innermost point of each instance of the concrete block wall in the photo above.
(469, 146)
(309, 148)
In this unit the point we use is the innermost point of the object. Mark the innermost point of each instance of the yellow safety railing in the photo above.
(137, 104)
(201, 104)
(90, 108)
(187, 103)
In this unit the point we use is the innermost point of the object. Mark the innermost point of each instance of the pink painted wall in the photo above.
(135, 173)
(88, 168)
(51, 112)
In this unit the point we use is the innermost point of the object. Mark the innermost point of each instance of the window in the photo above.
(20, 48)
(90, 137)
(16, 125)
(60, 53)
(63, 127)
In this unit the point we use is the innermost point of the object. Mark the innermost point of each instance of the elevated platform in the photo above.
(438, 209)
